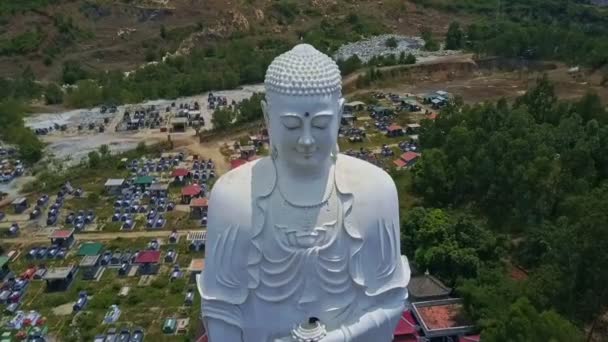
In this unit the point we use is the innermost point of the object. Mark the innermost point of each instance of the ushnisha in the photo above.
(307, 232)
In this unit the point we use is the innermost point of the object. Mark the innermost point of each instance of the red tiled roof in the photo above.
(394, 127)
(62, 234)
(180, 173)
(432, 116)
(409, 156)
(443, 316)
(406, 325)
(470, 338)
(147, 257)
(399, 163)
(236, 163)
(199, 202)
(191, 190)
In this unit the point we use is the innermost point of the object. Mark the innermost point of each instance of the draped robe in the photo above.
(253, 270)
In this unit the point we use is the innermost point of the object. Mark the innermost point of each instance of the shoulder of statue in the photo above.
(367, 183)
(234, 193)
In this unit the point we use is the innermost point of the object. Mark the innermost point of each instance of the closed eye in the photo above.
(291, 122)
(321, 121)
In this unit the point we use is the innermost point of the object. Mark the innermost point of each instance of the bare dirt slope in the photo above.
(123, 32)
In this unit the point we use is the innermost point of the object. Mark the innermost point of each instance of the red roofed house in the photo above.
(198, 207)
(432, 116)
(394, 130)
(442, 318)
(180, 175)
(189, 192)
(407, 159)
(410, 157)
(400, 163)
(63, 238)
(148, 262)
(236, 163)
(407, 330)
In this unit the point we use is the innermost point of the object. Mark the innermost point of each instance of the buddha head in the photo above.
(303, 106)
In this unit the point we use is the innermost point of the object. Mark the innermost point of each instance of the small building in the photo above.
(196, 267)
(410, 158)
(179, 124)
(394, 131)
(407, 328)
(20, 205)
(63, 238)
(444, 318)
(426, 287)
(432, 116)
(182, 325)
(4, 269)
(354, 106)
(90, 248)
(189, 192)
(348, 118)
(144, 181)
(197, 240)
(410, 105)
(399, 163)
(113, 186)
(198, 207)
(148, 262)
(247, 152)
(381, 111)
(412, 128)
(90, 267)
(60, 278)
(180, 175)
(159, 189)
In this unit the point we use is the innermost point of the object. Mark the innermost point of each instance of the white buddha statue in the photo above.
(306, 235)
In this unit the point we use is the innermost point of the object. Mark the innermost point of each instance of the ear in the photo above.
(341, 103)
(265, 113)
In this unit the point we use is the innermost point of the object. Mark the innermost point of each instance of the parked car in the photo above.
(62, 253)
(52, 252)
(41, 252)
(138, 335)
(125, 335)
(105, 259)
(111, 335)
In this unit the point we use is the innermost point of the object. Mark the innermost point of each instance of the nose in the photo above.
(306, 140)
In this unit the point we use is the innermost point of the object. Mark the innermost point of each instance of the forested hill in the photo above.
(523, 184)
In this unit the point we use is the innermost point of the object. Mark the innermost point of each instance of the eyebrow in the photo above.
(299, 116)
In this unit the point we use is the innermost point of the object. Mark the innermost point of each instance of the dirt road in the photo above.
(350, 80)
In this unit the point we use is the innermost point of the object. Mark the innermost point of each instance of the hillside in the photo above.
(123, 34)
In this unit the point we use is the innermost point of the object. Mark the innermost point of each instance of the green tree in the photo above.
(454, 39)
(53, 94)
(73, 72)
(429, 42)
(222, 119)
(13, 131)
(391, 42)
(94, 159)
(86, 94)
(410, 59)
(522, 323)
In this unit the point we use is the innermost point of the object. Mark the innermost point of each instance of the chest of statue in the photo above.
(305, 254)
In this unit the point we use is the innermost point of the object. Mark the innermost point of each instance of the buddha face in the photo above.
(303, 129)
